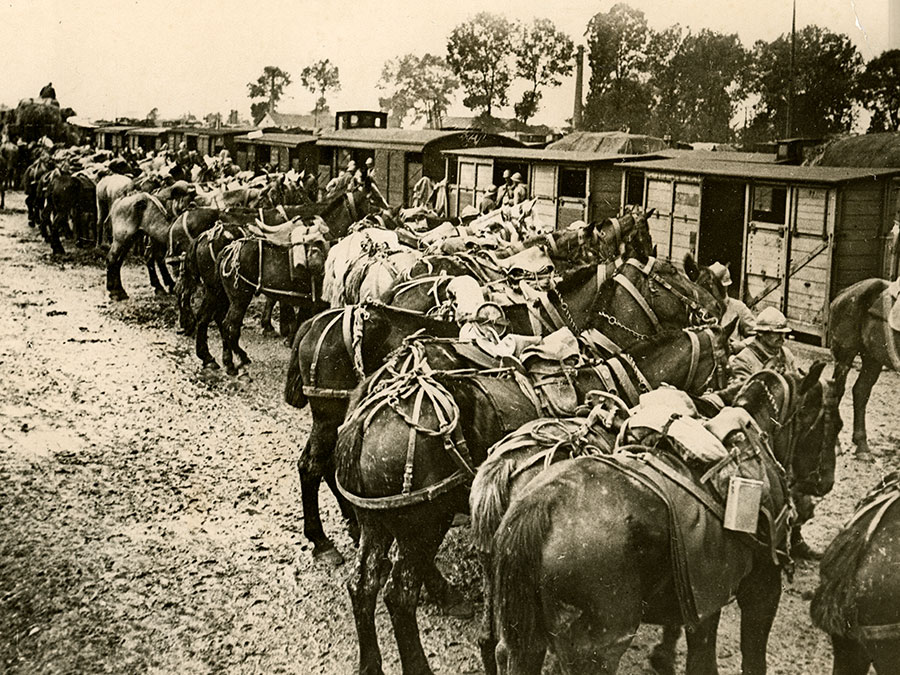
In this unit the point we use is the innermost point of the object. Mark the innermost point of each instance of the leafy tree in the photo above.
(152, 117)
(417, 87)
(618, 42)
(543, 55)
(477, 54)
(879, 91)
(826, 67)
(696, 79)
(270, 86)
(321, 77)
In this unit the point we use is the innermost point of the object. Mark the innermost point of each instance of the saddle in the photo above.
(690, 465)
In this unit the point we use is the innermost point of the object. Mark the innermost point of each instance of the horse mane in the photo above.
(576, 279)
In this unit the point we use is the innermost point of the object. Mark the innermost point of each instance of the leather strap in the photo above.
(626, 283)
(695, 359)
(315, 360)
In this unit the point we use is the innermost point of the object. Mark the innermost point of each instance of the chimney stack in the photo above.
(579, 79)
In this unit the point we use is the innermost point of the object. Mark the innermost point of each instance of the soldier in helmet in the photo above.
(48, 91)
(766, 350)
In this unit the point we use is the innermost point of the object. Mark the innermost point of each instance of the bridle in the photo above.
(719, 360)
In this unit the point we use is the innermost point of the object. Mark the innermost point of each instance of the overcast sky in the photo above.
(115, 57)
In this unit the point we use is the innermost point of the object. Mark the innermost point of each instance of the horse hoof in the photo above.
(661, 663)
(268, 329)
(231, 370)
(160, 292)
(288, 342)
(330, 556)
(864, 455)
(210, 365)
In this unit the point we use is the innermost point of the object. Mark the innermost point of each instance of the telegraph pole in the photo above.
(789, 132)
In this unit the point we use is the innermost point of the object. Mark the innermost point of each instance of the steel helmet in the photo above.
(770, 320)
(468, 212)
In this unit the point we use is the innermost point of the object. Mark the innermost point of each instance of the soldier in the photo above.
(746, 323)
(489, 201)
(766, 349)
(520, 191)
(48, 91)
(506, 190)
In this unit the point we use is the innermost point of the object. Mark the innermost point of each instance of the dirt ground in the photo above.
(149, 511)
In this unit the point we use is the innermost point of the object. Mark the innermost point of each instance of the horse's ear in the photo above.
(810, 379)
(691, 268)
(654, 251)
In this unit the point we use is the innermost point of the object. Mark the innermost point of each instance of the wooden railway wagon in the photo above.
(146, 138)
(111, 137)
(568, 185)
(205, 140)
(794, 236)
(401, 156)
(287, 151)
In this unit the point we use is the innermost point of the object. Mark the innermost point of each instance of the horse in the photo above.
(857, 601)
(109, 189)
(586, 553)
(472, 412)
(32, 184)
(150, 214)
(9, 158)
(68, 198)
(692, 364)
(575, 302)
(858, 325)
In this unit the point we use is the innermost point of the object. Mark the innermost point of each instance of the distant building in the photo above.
(278, 120)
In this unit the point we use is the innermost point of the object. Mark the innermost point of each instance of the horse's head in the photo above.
(675, 299)
(800, 416)
(703, 277)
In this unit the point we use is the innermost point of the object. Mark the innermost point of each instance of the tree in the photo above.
(697, 83)
(618, 97)
(270, 86)
(152, 117)
(420, 87)
(543, 55)
(477, 54)
(321, 77)
(826, 68)
(879, 91)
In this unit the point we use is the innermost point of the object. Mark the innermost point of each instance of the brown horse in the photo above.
(68, 198)
(858, 325)
(585, 554)
(447, 421)
(150, 214)
(857, 601)
(32, 184)
(513, 462)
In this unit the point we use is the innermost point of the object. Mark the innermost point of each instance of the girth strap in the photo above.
(313, 367)
(695, 359)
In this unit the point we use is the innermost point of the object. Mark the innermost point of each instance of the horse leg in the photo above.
(311, 468)
(758, 598)
(160, 261)
(363, 586)
(265, 320)
(57, 223)
(205, 314)
(287, 322)
(701, 647)
(450, 599)
(662, 658)
(416, 554)
(487, 640)
(862, 389)
(114, 259)
(234, 318)
(850, 657)
(346, 508)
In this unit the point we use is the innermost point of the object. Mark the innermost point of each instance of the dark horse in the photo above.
(858, 325)
(858, 599)
(244, 271)
(69, 198)
(9, 159)
(408, 464)
(585, 554)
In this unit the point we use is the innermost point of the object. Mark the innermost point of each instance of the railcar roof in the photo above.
(406, 139)
(761, 171)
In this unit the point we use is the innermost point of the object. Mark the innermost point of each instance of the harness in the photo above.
(171, 257)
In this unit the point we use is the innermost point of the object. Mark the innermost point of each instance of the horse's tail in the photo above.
(833, 607)
(518, 552)
(293, 386)
(489, 498)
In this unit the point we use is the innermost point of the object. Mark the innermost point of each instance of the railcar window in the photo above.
(572, 182)
(769, 203)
